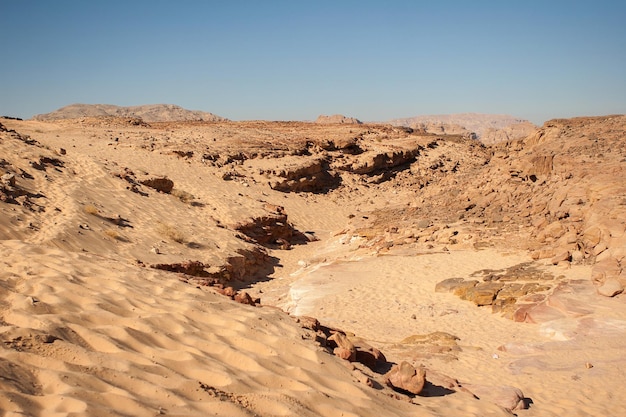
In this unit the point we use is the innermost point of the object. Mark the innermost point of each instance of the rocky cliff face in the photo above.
(148, 113)
(489, 128)
(559, 193)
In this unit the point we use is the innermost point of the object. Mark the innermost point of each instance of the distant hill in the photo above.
(337, 119)
(489, 128)
(148, 113)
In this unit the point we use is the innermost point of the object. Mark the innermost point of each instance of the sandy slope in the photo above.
(386, 299)
(89, 329)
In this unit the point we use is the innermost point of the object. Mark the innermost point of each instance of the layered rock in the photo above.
(310, 175)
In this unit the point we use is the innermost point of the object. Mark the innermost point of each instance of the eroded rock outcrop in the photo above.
(309, 175)
(272, 229)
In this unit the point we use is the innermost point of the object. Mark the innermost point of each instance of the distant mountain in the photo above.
(337, 119)
(489, 128)
(148, 113)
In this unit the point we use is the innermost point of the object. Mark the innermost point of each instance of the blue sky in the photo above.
(295, 60)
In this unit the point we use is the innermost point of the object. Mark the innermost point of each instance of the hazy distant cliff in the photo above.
(489, 128)
(148, 112)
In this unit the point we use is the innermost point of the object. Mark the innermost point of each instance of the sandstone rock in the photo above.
(405, 377)
(362, 378)
(504, 305)
(543, 254)
(610, 288)
(229, 292)
(369, 355)
(560, 257)
(370, 163)
(577, 256)
(592, 236)
(605, 269)
(345, 348)
(448, 285)
(244, 298)
(271, 229)
(463, 287)
(552, 231)
(599, 248)
(307, 322)
(507, 397)
(8, 179)
(484, 293)
(161, 184)
(305, 175)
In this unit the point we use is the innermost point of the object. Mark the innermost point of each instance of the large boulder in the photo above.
(405, 377)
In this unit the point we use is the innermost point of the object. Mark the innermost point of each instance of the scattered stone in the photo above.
(610, 288)
(244, 298)
(345, 348)
(307, 322)
(8, 179)
(161, 184)
(406, 378)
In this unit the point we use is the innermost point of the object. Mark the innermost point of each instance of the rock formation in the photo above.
(489, 128)
(147, 113)
(337, 119)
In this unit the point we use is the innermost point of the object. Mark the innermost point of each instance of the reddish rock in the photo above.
(344, 347)
(244, 298)
(405, 377)
(369, 355)
(307, 322)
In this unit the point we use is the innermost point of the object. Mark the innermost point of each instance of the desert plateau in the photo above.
(157, 261)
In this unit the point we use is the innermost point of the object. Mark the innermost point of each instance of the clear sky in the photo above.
(297, 59)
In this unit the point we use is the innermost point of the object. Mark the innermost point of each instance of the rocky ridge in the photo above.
(337, 119)
(488, 128)
(146, 113)
(558, 193)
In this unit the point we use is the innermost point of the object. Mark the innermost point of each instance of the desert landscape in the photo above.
(159, 261)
